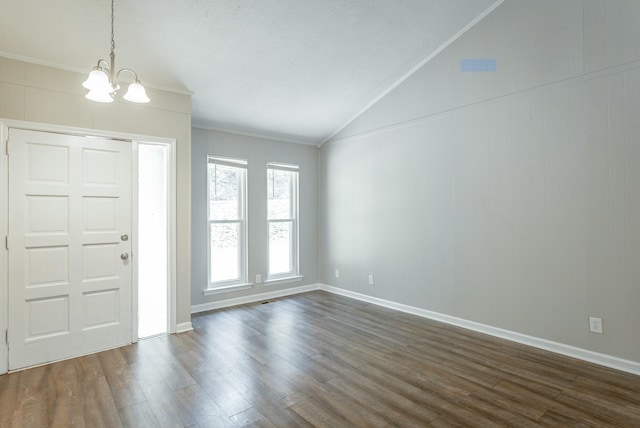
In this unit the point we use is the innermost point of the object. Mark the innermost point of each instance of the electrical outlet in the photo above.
(595, 325)
(337, 273)
(258, 278)
(370, 279)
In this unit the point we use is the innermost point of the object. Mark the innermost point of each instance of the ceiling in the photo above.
(295, 70)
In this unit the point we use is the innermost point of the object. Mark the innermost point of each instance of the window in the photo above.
(227, 189)
(282, 206)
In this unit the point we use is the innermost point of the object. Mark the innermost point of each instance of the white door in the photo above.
(69, 264)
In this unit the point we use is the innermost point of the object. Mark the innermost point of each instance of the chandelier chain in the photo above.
(113, 42)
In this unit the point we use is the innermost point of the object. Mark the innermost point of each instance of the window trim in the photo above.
(242, 282)
(294, 253)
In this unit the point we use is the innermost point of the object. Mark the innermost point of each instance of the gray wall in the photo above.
(509, 198)
(258, 152)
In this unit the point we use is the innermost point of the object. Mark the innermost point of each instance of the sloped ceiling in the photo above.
(296, 70)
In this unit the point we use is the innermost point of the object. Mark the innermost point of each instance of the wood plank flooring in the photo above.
(318, 359)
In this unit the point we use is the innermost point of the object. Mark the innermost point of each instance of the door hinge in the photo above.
(6, 147)
(6, 336)
(6, 242)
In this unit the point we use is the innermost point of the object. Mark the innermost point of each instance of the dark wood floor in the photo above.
(319, 359)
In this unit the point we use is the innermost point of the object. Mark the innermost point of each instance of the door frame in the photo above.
(134, 139)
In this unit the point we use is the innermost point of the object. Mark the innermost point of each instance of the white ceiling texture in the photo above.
(295, 70)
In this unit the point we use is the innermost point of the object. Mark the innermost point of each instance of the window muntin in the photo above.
(282, 216)
(227, 232)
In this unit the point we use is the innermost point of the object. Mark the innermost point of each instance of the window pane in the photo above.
(279, 248)
(225, 260)
(224, 192)
(279, 194)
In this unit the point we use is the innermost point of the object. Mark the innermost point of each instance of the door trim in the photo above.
(4, 256)
(135, 139)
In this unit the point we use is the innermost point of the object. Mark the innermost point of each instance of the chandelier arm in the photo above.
(105, 65)
(135, 75)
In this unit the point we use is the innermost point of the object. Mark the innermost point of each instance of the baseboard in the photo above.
(536, 342)
(184, 327)
(253, 298)
(548, 345)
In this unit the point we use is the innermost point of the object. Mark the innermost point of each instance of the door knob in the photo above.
(125, 237)
(124, 256)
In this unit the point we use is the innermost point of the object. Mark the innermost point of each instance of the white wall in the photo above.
(511, 198)
(48, 95)
(258, 152)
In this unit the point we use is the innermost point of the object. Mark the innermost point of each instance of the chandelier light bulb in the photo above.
(100, 95)
(97, 79)
(136, 93)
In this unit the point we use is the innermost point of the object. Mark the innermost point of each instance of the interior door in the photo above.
(69, 253)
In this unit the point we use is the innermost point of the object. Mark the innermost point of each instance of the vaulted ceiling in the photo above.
(288, 69)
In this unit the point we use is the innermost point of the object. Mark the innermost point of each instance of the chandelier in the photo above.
(102, 82)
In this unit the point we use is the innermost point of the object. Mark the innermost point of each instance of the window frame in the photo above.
(294, 255)
(214, 287)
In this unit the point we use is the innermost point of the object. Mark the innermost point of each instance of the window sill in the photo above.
(227, 289)
(277, 281)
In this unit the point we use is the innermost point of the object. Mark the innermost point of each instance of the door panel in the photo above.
(69, 204)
